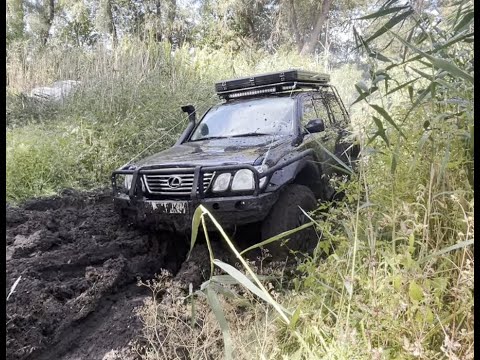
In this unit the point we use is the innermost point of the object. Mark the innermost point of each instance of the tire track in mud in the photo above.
(79, 263)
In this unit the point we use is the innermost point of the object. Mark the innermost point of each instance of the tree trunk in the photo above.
(326, 48)
(171, 15)
(158, 23)
(251, 27)
(276, 29)
(48, 21)
(309, 45)
(293, 20)
(110, 22)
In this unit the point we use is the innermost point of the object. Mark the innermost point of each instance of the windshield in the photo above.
(268, 116)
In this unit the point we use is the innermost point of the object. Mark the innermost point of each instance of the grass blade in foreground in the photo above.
(200, 213)
(243, 280)
(448, 66)
(276, 237)
(457, 246)
(222, 321)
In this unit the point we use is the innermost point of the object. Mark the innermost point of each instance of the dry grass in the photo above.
(170, 329)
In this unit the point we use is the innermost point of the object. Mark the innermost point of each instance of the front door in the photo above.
(313, 107)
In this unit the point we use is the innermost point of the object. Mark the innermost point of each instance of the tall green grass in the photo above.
(397, 279)
(129, 101)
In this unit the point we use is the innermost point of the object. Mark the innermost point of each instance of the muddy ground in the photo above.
(78, 265)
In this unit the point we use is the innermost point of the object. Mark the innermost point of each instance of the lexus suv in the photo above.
(264, 155)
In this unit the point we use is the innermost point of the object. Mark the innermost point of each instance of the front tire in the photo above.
(286, 215)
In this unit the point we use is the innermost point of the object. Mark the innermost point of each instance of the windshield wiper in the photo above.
(209, 138)
(231, 136)
(250, 134)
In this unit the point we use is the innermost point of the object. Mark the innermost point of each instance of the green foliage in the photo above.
(397, 281)
(437, 55)
(307, 26)
(404, 299)
(15, 21)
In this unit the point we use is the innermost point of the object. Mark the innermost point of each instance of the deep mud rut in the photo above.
(78, 264)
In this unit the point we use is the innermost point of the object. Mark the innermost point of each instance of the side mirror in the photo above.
(314, 126)
(190, 110)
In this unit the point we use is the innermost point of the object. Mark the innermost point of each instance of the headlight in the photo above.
(221, 182)
(243, 180)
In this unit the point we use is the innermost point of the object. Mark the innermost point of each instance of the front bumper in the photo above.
(228, 211)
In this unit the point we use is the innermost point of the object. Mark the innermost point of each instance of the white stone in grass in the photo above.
(57, 92)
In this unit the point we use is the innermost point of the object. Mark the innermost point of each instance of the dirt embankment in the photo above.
(78, 265)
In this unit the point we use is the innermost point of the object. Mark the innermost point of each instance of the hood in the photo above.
(226, 151)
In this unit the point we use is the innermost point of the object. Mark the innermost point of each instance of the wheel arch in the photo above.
(310, 175)
(307, 172)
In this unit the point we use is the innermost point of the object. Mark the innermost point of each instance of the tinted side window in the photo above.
(309, 110)
(334, 111)
(314, 108)
(322, 110)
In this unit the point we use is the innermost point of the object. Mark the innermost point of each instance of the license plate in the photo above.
(170, 207)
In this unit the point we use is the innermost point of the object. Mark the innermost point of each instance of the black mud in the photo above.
(78, 265)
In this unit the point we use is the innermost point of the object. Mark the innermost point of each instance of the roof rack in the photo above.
(270, 83)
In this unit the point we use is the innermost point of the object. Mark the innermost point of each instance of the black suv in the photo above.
(267, 150)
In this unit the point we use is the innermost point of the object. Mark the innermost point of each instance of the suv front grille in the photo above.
(174, 184)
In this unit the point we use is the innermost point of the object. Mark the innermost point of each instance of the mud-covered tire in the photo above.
(286, 215)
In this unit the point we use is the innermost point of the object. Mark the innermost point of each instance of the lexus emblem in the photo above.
(174, 182)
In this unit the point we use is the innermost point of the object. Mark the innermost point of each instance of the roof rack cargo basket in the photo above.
(270, 83)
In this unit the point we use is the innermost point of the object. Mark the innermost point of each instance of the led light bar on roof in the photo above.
(252, 92)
